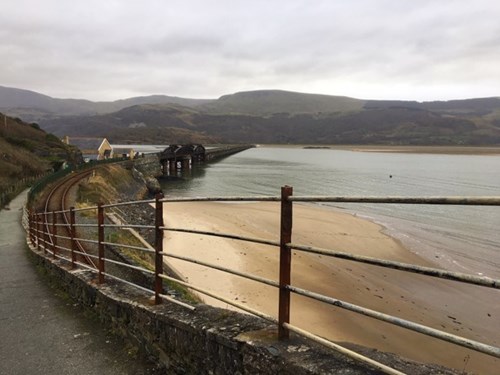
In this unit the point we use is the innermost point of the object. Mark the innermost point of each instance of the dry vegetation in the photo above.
(26, 152)
(113, 183)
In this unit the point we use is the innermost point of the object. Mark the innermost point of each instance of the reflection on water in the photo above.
(182, 179)
(460, 238)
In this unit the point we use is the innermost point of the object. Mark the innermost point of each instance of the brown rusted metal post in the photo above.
(285, 261)
(54, 234)
(31, 237)
(38, 240)
(35, 229)
(72, 233)
(158, 247)
(45, 232)
(30, 227)
(100, 239)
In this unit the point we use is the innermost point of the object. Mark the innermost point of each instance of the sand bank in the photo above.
(468, 311)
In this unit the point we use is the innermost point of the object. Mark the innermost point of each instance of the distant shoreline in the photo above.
(452, 150)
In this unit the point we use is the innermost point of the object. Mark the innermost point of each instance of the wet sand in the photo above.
(473, 312)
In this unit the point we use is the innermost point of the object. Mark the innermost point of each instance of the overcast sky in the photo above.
(373, 49)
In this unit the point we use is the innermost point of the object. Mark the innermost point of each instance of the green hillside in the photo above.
(27, 152)
(267, 102)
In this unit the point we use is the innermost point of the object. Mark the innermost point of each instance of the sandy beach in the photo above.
(472, 312)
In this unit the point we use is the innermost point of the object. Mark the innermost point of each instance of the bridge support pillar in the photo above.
(186, 164)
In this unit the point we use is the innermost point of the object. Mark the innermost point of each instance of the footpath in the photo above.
(41, 330)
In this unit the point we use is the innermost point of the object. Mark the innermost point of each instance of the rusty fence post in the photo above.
(33, 228)
(30, 221)
(30, 227)
(54, 234)
(158, 247)
(285, 261)
(72, 236)
(38, 231)
(100, 239)
(45, 232)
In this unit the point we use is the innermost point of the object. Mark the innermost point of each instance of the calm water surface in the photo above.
(465, 239)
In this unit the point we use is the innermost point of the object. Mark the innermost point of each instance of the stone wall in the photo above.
(149, 165)
(147, 169)
(207, 340)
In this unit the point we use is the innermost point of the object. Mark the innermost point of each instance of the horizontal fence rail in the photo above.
(458, 201)
(434, 272)
(43, 235)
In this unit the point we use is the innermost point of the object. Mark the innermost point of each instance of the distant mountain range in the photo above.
(32, 106)
(265, 116)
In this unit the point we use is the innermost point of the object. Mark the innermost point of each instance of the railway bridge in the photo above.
(182, 157)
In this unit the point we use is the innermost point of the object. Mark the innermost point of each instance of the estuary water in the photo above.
(464, 239)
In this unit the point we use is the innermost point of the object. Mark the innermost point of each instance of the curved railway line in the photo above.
(58, 239)
(58, 201)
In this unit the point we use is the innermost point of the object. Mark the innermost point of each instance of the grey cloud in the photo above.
(110, 49)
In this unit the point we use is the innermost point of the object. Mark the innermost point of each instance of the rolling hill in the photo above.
(268, 102)
(390, 126)
(32, 106)
(275, 116)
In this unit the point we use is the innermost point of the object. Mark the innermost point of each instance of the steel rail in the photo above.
(62, 258)
(71, 181)
(52, 192)
(87, 240)
(129, 226)
(63, 248)
(428, 271)
(173, 300)
(461, 201)
(85, 225)
(107, 260)
(81, 209)
(220, 298)
(86, 254)
(65, 216)
(347, 352)
(86, 266)
(223, 235)
(445, 336)
(224, 269)
(63, 237)
(180, 303)
(128, 282)
(127, 203)
(222, 199)
(144, 249)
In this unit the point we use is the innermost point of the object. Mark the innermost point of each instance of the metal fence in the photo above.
(43, 234)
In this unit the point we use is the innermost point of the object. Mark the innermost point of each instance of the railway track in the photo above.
(58, 200)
